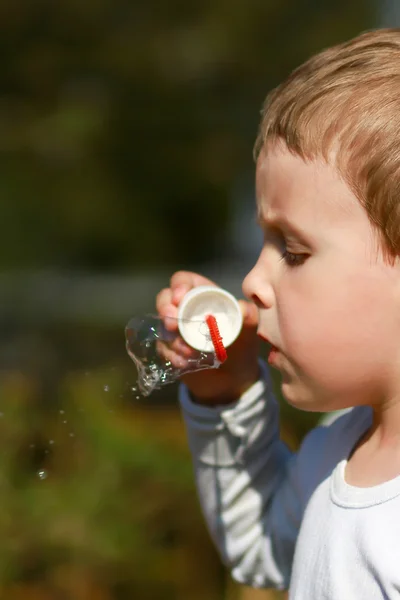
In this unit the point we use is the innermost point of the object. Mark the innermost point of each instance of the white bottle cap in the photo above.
(207, 300)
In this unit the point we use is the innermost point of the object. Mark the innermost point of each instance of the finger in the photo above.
(249, 313)
(164, 304)
(163, 300)
(169, 355)
(183, 281)
(167, 311)
(180, 347)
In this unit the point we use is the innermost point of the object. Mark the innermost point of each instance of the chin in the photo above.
(304, 400)
(301, 399)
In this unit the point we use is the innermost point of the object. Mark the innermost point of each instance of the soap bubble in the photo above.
(159, 353)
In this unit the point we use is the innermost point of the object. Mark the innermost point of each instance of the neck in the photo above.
(376, 457)
(385, 430)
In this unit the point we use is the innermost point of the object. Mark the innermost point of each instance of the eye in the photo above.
(294, 260)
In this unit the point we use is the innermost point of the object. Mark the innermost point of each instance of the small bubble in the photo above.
(106, 388)
(42, 474)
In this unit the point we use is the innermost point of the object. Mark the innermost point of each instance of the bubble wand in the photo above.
(216, 338)
(209, 321)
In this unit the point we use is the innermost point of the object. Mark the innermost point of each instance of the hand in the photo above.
(212, 386)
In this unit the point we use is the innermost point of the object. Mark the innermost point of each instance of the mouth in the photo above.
(272, 350)
(265, 339)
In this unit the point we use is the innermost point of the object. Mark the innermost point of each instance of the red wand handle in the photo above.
(216, 338)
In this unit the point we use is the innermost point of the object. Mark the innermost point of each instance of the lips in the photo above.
(265, 339)
(272, 350)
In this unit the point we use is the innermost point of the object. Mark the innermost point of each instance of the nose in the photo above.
(257, 287)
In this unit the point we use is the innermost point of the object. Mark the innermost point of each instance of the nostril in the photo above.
(254, 298)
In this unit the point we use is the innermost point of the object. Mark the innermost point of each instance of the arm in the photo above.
(240, 463)
(245, 486)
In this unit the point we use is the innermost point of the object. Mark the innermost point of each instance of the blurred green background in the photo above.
(126, 134)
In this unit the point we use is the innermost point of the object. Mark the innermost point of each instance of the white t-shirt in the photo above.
(288, 520)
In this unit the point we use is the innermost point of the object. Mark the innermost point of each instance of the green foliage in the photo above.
(115, 502)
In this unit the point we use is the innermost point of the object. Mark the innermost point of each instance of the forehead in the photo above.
(290, 188)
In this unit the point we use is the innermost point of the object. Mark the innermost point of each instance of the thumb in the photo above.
(249, 313)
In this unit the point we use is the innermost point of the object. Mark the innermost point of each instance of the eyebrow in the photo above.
(275, 222)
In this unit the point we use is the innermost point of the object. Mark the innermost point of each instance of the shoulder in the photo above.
(328, 444)
(346, 424)
(337, 430)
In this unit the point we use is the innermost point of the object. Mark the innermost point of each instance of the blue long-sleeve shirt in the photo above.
(289, 520)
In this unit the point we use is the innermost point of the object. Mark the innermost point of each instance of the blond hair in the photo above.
(345, 102)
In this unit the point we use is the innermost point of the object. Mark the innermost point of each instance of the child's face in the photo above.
(328, 301)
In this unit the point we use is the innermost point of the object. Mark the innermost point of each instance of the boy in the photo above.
(325, 294)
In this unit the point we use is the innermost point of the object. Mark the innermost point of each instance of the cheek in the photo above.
(336, 325)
